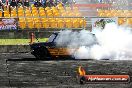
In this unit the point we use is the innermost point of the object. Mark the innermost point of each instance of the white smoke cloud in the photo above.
(114, 42)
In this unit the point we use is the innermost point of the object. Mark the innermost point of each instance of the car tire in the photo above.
(37, 56)
(43, 53)
(82, 80)
(35, 53)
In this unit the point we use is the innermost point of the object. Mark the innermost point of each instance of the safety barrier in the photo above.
(53, 24)
(124, 16)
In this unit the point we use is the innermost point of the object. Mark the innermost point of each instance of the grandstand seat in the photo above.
(64, 14)
(60, 5)
(34, 8)
(28, 14)
(32, 5)
(0, 13)
(27, 11)
(120, 21)
(48, 11)
(78, 14)
(109, 15)
(129, 21)
(55, 11)
(54, 8)
(30, 22)
(49, 14)
(35, 13)
(71, 14)
(68, 23)
(22, 23)
(56, 14)
(37, 22)
(61, 23)
(47, 8)
(20, 8)
(62, 11)
(83, 23)
(115, 14)
(42, 13)
(113, 11)
(68, 9)
(128, 14)
(75, 9)
(20, 13)
(101, 14)
(6, 14)
(61, 8)
(41, 8)
(13, 13)
(126, 11)
(45, 23)
(53, 23)
(75, 23)
(122, 14)
(130, 11)
(106, 11)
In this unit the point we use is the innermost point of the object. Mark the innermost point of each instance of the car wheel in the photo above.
(37, 56)
(35, 53)
(43, 53)
(82, 80)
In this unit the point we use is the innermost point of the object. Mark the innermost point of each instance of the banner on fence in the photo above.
(8, 23)
(101, 22)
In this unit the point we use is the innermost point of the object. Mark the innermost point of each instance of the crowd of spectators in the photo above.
(37, 3)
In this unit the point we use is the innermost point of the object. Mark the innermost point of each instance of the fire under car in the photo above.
(50, 50)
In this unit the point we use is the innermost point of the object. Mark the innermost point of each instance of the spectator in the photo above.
(60, 2)
(38, 3)
(19, 2)
(1, 5)
(68, 2)
(26, 3)
(13, 3)
(100, 1)
(64, 1)
(56, 1)
(50, 3)
(44, 3)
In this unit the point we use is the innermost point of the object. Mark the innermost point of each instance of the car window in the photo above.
(51, 38)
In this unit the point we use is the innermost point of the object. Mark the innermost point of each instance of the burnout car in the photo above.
(50, 49)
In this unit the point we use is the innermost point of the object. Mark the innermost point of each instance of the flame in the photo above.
(81, 71)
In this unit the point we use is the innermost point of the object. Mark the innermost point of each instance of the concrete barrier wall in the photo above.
(23, 34)
(14, 48)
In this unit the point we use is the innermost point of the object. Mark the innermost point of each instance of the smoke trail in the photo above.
(113, 42)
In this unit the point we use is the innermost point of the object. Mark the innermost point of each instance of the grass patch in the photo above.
(19, 41)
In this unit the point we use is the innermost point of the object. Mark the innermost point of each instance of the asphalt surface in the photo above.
(21, 70)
